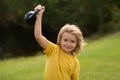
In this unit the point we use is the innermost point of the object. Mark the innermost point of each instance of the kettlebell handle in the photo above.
(36, 11)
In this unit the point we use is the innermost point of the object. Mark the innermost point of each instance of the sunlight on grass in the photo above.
(22, 69)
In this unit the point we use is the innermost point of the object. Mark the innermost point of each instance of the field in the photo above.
(99, 60)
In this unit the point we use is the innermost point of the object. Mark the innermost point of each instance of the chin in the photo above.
(68, 51)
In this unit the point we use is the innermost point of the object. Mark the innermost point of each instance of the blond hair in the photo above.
(73, 29)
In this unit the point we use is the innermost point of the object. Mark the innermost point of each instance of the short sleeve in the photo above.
(48, 50)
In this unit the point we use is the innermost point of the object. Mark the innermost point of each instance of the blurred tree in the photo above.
(17, 38)
(92, 16)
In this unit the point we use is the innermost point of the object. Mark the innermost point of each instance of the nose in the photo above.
(68, 43)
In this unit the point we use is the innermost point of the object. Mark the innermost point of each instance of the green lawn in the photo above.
(31, 68)
(99, 60)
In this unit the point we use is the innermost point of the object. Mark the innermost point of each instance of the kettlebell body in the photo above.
(30, 17)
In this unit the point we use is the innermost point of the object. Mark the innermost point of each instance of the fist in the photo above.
(41, 8)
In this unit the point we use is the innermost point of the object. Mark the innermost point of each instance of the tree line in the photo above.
(92, 16)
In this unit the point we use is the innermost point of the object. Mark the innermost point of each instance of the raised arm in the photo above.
(38, 27)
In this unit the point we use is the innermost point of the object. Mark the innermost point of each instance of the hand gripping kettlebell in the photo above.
(30, 17)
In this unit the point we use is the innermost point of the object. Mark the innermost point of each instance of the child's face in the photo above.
(68, 42)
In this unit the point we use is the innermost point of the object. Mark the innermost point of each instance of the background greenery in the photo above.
(92, 16)
(99, 61)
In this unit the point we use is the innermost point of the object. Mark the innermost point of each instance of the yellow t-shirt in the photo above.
(60, 65)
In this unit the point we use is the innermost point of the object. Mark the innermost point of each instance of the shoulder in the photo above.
(50, 48)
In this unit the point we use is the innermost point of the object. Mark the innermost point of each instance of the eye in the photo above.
(65, 40)
(73, 41)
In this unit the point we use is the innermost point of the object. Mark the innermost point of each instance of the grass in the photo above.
(31, 68)
(99, 61)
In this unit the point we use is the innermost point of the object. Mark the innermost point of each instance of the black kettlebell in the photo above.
(30, 17)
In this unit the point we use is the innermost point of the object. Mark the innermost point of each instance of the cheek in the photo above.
(75, 45)
(61, 43)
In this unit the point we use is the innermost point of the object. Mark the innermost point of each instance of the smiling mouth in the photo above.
(67, 47)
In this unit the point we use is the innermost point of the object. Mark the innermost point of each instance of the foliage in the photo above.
(89, 15)
(92, 16)
(113, 25)
(17, 38)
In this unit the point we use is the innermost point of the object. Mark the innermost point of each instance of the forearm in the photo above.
(38, 27)
(38, 22)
